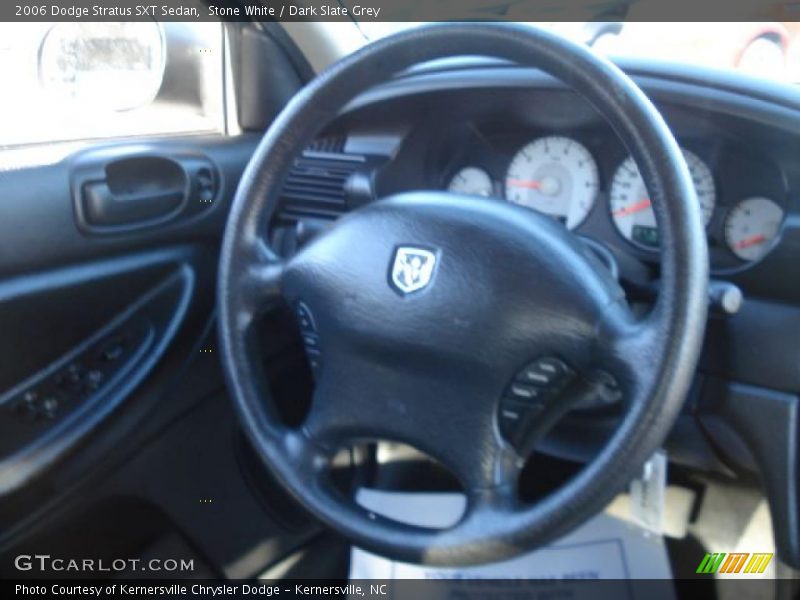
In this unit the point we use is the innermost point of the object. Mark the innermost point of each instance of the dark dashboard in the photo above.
(516, 135)
(487, 128)
(581, 175)
(511, 129)
(514, 130)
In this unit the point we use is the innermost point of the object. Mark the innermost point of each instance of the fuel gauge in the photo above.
(752, 226)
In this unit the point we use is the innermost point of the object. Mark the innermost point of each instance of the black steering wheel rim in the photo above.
(666, 343)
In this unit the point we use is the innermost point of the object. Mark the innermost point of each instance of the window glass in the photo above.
(769, 50)
(76, 81)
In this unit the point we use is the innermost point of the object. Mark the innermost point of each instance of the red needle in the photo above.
(523, 183)
(633, 208)
(751, 241)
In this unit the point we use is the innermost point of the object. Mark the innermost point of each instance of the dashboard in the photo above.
(549, 151)
(491, 130)
(569, 175)
(516, 135)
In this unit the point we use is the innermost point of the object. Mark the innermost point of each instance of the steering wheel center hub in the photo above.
(426, 275)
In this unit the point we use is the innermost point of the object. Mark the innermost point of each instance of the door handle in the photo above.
(123, 189)
(104, 208)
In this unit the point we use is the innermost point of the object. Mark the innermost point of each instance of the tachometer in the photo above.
(472, 181)
(630, 202)
(752, 226)
(556, 176)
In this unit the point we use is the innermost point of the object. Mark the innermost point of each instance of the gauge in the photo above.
(630, 203)
(556, 176)
(472, 181)
(751, 227)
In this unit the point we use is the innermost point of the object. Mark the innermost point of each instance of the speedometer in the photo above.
(556, 176)
(631, 210)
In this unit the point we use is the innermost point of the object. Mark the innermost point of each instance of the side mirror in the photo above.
(108, 66)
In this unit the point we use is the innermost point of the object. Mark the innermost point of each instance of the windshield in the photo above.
(763, 49)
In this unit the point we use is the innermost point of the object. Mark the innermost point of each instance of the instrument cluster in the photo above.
(560, 176)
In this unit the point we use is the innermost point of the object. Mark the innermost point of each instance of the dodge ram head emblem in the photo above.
(412, 269)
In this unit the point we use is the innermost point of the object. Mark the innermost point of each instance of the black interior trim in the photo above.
(162, 309)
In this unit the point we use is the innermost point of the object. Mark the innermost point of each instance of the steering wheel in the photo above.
(429, 305)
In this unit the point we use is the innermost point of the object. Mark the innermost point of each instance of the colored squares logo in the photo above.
(734, 562)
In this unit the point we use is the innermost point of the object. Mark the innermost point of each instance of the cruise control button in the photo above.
(311, 340)
(50, 407)
(523, 392)
(94, 379)
(533, 375)
(315, 362)
(509, 421)
(525, 409)
(28, 404)
(545, 372)
(304, 318)
(513, 416)
(71, 379)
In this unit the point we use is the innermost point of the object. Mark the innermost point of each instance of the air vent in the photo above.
(315, 186)
(333, 144)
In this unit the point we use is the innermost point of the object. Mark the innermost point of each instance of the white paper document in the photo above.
(603, 548)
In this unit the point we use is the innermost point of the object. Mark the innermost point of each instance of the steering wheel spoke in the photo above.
(261, 277)
(415, 411)
(533, 423)
(629, 350)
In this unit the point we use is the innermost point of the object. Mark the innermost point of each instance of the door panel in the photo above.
(116, 325)
(114, 419)
(86, 355)
(38, 221)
